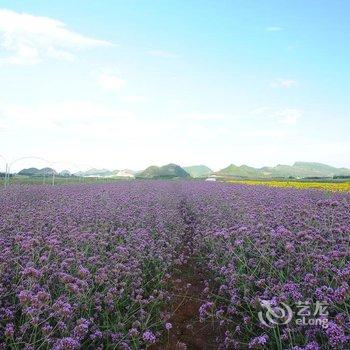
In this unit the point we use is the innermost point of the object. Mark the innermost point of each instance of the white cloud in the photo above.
(66, 114)
(24, 55)
(60, 54)
(110, 82)
(202, 116)
(284, 83)
(261, 110)
(199, 132)
(108, 78)
(90, 122)
(29, 39)
(288, 116)
(163, 54)
(270, 134)
(274, 29)
(136, 99)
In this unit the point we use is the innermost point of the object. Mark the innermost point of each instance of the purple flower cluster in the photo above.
(280, 245)
(86, 266)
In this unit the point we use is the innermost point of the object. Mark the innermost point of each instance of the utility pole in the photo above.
(5, 180)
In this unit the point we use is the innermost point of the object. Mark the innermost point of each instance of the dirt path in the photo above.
(186, 286)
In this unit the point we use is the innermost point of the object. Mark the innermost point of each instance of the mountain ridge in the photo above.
(296, 170)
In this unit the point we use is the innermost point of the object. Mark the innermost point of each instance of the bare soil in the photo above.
(186, 286)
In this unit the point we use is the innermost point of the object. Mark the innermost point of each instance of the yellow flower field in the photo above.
(328, 186)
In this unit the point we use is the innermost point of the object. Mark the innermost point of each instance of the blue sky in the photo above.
(129, 83)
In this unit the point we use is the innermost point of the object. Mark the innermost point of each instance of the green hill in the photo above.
(239, 171)
(198, 170)
(37, 172)
(297, 170)
(318, 169)
(168, 171)
(149, 172)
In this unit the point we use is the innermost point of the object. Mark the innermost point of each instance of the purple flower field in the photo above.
(88, 266)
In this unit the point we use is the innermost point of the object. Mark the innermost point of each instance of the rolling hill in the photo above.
(239, 171)
(168, 171)
(297, 170)
(96, 173)
(37, 172)
(198, 170)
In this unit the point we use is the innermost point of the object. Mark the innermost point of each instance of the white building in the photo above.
(125, 173)
(210, 178)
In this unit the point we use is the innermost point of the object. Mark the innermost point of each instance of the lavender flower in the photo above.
(9, 330)
(258, 342)
(149, 337)
(108, 252)
(168, 326)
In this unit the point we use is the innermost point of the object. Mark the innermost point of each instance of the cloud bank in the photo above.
(28, 39)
